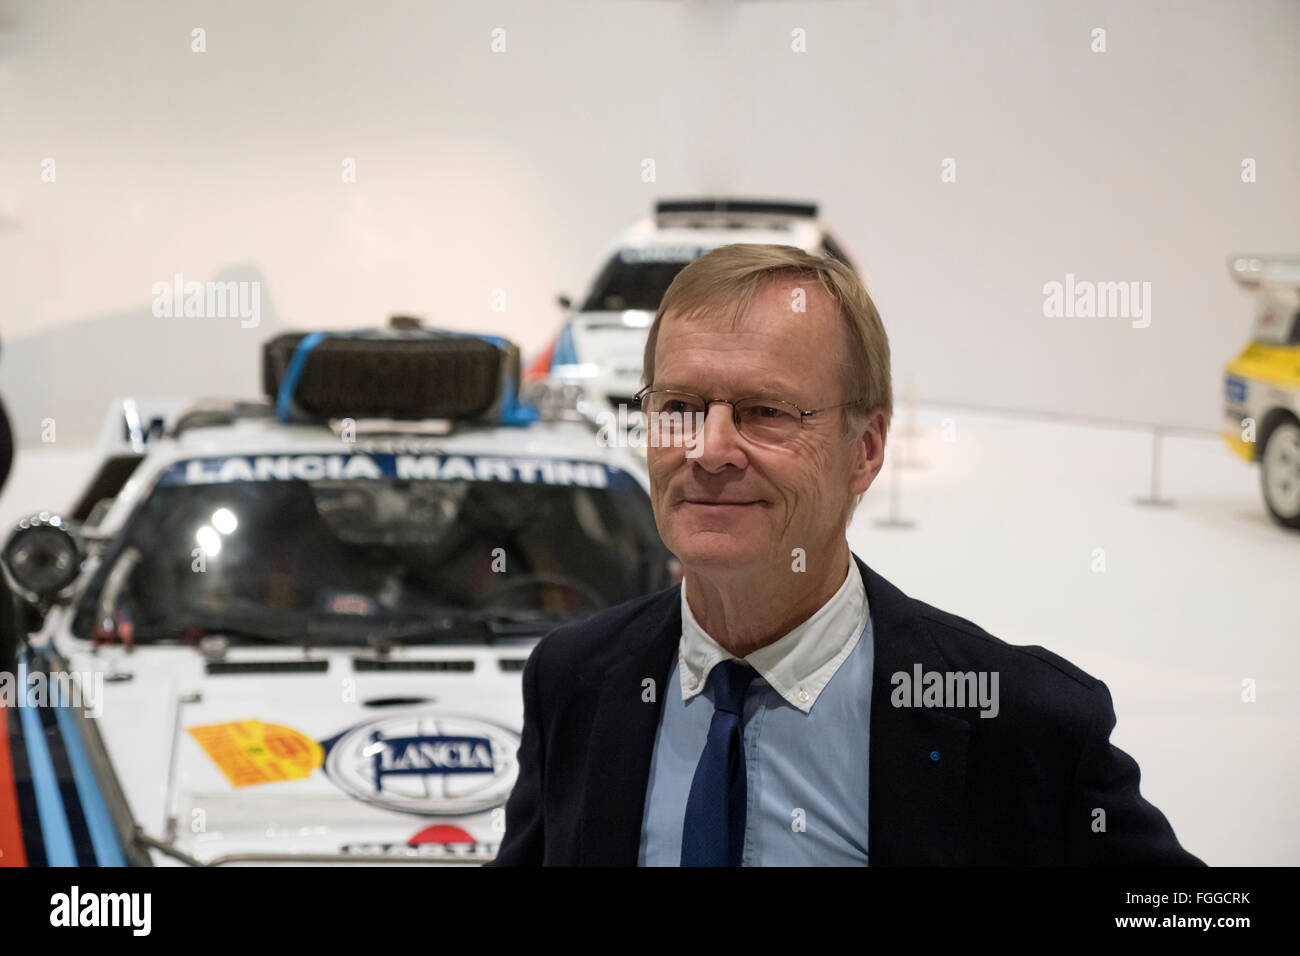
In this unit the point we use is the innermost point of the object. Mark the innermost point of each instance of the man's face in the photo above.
(732, 505)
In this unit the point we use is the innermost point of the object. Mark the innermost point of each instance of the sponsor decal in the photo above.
(337, 603)
(250, 752)
(661, 254)
(529, 471)
(1234, 390)
(425, 763)
(439, 841)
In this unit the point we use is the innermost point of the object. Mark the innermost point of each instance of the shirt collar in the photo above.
(799, 664)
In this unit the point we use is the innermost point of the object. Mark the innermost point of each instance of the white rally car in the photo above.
(303, 643)
(595, 360)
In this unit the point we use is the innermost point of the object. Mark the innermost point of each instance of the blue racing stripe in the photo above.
(54, 819)
(102, 833)
(81, 843)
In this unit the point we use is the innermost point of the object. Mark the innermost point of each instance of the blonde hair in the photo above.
(730, 276)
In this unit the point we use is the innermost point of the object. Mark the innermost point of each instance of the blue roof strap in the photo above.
(514, 412)
(297, 362)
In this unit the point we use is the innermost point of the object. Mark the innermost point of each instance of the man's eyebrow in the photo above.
(676, 387)
(777, 393)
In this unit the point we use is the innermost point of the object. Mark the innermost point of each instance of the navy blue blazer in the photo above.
(1018, 789)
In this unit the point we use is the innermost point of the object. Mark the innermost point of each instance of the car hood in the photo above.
(348, 756)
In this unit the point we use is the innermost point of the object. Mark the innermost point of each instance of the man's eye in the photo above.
(768, 411)
(675, 406)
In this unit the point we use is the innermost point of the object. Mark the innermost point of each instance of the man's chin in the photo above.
(711, 549)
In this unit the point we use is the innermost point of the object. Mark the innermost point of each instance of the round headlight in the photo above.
(43, 555)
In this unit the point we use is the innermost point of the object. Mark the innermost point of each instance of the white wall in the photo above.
(514, 170)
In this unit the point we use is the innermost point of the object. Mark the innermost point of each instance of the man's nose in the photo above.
(718, 443)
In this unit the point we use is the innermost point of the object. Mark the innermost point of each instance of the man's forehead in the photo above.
(773, 340)
(779, 308)
(775, 297)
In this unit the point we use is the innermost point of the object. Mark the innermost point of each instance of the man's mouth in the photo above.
(711, 503)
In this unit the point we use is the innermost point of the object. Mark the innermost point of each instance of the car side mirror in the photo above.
(564, 302)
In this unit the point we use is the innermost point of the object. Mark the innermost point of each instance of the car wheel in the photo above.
(1280, 473)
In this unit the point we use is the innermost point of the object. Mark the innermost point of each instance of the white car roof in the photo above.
(804, 233)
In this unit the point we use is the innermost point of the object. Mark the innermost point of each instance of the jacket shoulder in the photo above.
(966, 645)
(1044, 703)
(966, 638)
(590, 646)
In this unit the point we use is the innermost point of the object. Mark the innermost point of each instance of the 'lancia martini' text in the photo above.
(545, 471)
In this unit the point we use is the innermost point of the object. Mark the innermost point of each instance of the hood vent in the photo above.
(396, 701)
(387, 664)
(269, 667)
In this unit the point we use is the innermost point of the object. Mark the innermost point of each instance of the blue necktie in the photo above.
(714, 830)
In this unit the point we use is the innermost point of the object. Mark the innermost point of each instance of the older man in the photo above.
(786, 704)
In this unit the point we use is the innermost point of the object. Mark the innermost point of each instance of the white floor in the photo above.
(1195, 597)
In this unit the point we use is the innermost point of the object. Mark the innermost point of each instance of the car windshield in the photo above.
(346, 549)
(637, 279)
(1277, 324)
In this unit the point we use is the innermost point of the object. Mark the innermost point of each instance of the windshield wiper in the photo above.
(521, 621)
(254, 636)
(433, 629)
(260, 626)
(242, 633)
(483, 625)
(449, 625)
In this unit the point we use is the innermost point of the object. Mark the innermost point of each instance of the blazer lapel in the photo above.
(622, 740)
(918, 756)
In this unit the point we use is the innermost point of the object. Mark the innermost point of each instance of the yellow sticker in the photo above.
(249, 751)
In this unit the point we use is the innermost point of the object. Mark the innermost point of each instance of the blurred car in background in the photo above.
(594, 362)
(305, 619)
(1262, 384)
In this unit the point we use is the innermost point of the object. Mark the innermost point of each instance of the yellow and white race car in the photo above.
(1262, 385)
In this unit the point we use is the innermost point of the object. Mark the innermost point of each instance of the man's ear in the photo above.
(869, 452)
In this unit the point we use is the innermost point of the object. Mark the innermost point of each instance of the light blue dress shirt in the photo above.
(806, 736)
